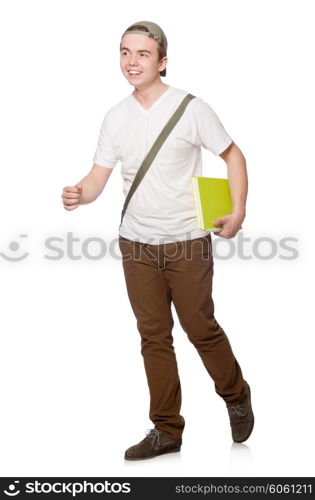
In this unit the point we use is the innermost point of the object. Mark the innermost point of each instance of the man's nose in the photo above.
(133, 59)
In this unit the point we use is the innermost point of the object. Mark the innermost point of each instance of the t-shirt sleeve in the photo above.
(209, 131)
(105, 154)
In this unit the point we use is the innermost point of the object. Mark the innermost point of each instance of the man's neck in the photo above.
(147, 96)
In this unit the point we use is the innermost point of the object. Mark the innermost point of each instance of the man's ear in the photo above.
(163, 63)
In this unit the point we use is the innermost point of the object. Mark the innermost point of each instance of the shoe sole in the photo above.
(251, 429)
(173, 450)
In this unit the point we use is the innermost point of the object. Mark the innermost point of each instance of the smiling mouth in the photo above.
(134, 73)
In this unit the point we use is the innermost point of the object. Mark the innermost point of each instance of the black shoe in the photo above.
(242, 418)
(155, 443)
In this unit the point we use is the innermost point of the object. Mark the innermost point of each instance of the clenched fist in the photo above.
(71, 196)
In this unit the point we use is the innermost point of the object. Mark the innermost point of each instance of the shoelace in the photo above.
(155, 433)
(238, 410)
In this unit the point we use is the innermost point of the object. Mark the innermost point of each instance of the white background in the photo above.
(73, 388)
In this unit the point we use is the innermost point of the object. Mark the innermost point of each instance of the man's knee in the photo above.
(201, 335)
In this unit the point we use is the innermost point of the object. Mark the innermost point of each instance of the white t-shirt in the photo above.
(162, 208)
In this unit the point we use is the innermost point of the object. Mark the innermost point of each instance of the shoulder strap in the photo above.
(144, 167)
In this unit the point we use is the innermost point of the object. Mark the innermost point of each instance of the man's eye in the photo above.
(144, 55)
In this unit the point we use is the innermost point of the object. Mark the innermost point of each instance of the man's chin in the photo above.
(137, 85)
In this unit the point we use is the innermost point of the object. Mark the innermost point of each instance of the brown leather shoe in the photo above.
(242, 418)
(155, 443)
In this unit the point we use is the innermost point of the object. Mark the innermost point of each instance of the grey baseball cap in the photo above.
(151, 30)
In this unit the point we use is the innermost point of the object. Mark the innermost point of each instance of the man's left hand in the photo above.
(231, 224)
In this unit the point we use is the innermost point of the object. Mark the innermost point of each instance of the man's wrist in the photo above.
(239, 211)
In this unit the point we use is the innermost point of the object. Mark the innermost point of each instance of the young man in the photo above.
(166, 258)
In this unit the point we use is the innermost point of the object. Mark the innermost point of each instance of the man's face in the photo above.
(139, 60)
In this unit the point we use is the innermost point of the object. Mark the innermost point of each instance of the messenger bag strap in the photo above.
(145, 165)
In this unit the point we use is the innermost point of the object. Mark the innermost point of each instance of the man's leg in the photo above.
(189, 275)
(150, 298)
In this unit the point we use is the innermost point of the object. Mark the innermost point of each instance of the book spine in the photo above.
(200, 221)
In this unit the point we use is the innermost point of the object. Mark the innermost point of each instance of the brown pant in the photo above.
(179, 272)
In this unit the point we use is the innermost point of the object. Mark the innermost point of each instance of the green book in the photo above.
(212, 200)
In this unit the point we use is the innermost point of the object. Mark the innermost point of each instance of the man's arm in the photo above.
(86, 190)
(238, 182)
(93, 184)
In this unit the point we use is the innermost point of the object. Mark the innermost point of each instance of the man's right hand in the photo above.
(94, 184)
(71, 196)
